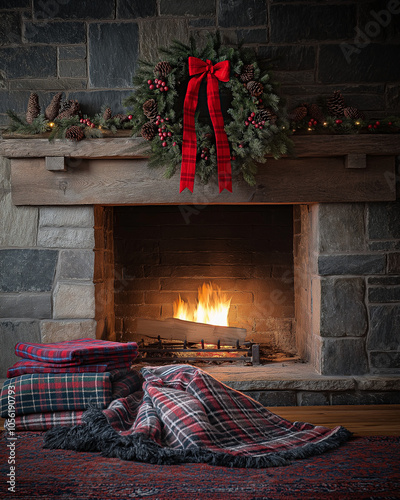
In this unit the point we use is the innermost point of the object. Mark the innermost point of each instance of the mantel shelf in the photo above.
(134, 147)
(114, 171)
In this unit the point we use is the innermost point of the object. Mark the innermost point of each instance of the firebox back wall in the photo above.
(163, 251)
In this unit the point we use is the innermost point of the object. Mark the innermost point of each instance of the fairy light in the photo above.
(325, 124)
(51, 124)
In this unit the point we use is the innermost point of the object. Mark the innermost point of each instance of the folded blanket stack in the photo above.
(55, 383)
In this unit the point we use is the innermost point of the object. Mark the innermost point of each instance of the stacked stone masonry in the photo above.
(347, 280)
(46, 273)
(345, 255)
(316, 47)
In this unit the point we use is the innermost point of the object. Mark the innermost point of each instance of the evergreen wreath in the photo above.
(254, 121)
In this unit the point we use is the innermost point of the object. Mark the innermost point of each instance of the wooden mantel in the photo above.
(114, 171)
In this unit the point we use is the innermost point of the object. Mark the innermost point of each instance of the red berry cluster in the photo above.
(87, 122)
(338, 122)
(158, 84)
(251, 121)
(163, 133)
(204, 153)
(375, 125)
(312, 123)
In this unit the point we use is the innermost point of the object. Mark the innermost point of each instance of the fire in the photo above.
(212, 307)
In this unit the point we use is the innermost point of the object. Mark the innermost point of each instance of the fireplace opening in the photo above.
(149, 257)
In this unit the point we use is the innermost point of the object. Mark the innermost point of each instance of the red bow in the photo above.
(220, 71)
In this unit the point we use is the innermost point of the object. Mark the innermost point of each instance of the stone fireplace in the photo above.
(313, 269)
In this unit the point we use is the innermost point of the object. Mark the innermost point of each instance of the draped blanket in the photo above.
(182, 414)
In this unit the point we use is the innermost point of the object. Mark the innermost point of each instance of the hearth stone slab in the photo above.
(280, 376)
(343, 312)
(25, 305)
(74, 301)
(28, 270)
(351, 264)
(12, 332)
(279, 382)
(58, 331)
(76, 264)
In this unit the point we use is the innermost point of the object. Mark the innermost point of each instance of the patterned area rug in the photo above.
(361, 468)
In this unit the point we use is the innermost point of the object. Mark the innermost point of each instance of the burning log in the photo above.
(177, 329)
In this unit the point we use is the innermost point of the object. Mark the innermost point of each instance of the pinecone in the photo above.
(74, 133)
(353, 113)
(316, 113)
(336, 104)
(121, 117)
(69, 108)
(163, 69)
(150, 109)
(266, 114)
(255, 88)
(53, 108)
(107, 114)
(148, 131)
(33, 110)
(247, 73)
(297, 114)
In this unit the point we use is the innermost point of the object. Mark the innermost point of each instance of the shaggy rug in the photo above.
(362, 468)
(182, 414)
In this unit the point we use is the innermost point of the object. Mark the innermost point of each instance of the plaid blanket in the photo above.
(28, 366)
(185, 415)
(43, 393)
(46, 421)
(78, 352)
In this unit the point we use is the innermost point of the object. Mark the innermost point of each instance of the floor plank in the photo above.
(362, 420)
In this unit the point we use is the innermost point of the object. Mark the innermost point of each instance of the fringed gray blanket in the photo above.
(182, 414)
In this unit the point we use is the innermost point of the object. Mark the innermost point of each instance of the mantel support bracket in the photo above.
(56, 164)
(355, 161)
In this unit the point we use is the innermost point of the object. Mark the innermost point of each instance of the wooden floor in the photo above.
(362, 420)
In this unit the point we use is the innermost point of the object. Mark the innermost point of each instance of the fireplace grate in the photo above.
(162, 351)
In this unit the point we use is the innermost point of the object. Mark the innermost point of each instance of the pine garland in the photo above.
(249, 145)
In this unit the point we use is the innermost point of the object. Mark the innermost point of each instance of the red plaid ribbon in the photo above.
(218, 72)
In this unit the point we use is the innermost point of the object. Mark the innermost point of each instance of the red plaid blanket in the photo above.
(28, 366)
(78, 352)
(185, 415)
(43, 393)
(46, 421)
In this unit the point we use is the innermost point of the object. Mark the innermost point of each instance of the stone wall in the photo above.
(347, 282)
(90, 50)
(46, 273)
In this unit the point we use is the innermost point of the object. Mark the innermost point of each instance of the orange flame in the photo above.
(212, 307)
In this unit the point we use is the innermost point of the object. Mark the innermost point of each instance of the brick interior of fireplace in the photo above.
(146, 256)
